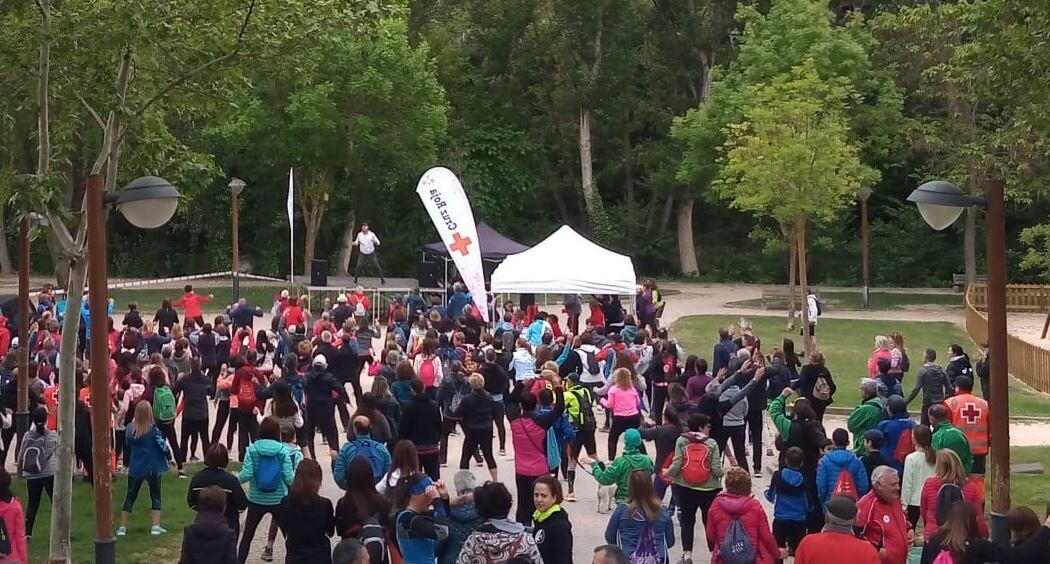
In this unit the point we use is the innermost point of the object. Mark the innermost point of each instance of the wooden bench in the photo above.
(959, 281)
(778, 295)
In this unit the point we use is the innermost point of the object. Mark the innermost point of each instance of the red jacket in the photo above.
(752, 517)
(355, 298)
(884, 523)
(192, 303)
(830, 547)
(620, 349)
(5, 337)
(928, 505)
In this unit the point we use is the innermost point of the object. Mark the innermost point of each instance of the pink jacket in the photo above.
(15, 522)
(623, 403)
(928, 505)
(752, 517)
(530, 447)
(873, 362)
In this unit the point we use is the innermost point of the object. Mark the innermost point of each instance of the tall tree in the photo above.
(791, 158)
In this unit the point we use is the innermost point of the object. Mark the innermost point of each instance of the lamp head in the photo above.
(148, 202)
(940, 203)
(237, 186)
(864, 193)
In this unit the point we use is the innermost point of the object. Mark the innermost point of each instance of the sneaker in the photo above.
(157, 530)
(267, 554)
(193, 458)
(382, 281)
(571, 496)
(757, 473)
(122, 531)
(769, 452)
(182, 474)
(444, 464)
(684, 560)
(503, 452)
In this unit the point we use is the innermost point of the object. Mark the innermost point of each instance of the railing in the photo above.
(1029, 362)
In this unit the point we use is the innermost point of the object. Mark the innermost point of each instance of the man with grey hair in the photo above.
(836, 543)
(880, 517)
(866, 415)
(609, 554)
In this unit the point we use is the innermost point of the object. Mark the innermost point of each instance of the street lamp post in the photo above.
(236, 187)
(147, 203)
(863, 195)
(940, 204)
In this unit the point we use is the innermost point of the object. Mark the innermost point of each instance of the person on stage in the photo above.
(366, 243)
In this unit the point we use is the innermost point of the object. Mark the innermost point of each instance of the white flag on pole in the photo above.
(291, 221)
(447, 204)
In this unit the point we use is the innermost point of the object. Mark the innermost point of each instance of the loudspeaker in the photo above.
(319, 273)
(428, 274)
(527, 300)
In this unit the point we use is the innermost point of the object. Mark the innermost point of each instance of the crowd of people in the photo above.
(878, 489)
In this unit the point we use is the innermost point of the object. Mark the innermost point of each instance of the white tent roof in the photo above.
(565, 262)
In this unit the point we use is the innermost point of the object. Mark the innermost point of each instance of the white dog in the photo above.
(605, 498)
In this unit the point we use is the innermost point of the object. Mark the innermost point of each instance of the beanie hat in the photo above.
(464, 481)
(320, 361)
(632, 439)
(876, 437)
(841, 510)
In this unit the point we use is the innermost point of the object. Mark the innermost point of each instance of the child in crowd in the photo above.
(787, 493)
(209, 540)
(873, 440)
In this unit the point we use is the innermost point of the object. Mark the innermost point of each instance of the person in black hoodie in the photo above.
(665, 436)
(477, 412)
(552, 529)
(320, 406)
(214, 473)
(209, 540)
(958, 364)
(195, 388)
(347, 368)
(497, 384)
(306, 518)
(421, 424)
(133, 318)
(166, 318)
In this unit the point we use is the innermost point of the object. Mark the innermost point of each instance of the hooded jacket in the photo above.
(421, 423)
(554, 538)
(619, 471)
(195, 388)
(933, 381)
(5, 336)
(832, 465)
(15, 522)
(893, 430)
(863, 419)
(625, 528)
(787, 493)
(714, 460)
(732, 399)
(748, 510)
(209, 540)
(149, 453)
(318, 390)
(236, 500)
(497, 541)
(958, 366)
(257, 450)
(947, 436)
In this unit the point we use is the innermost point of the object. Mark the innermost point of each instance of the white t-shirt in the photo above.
(367, 242)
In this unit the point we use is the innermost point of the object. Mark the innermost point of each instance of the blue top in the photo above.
(893, 430)
(787, 493)
(457, 302)
(257, 450)
(625, 529)
(149, 453)
(829, 468)
(348, 453)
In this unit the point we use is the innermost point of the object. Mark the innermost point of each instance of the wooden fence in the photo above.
(1029, 362)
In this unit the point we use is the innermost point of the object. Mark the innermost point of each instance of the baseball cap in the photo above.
(321, 361)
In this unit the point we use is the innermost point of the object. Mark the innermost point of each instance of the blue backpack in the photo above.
(268, 470)
(736, 546)
(369, 450)
(647, 551)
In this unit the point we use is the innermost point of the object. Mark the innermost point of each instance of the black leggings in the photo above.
(192, 429)
(222, 415)
(499, 418)
(584, 440)
(167, 428)
(526, 505)
(82, 451)
(754, 433)
(36, 486)
(430, 463)
(659, 399)
(6, 436)
(447, 427)
(251, 523)
(474, 438)
(247, 430)
(324, 423)
(689, 500)
(620, 424)
(738, 436)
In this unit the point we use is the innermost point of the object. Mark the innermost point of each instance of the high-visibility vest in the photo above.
(969, 414)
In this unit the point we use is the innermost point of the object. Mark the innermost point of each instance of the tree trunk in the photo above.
(62, 501)
(628, 169)
(6, 266)
(309, 244)
(313, 198)
(970, 244)
(346, 247)
(650, 212)
(665, 218)
(792, 279)
(800, 239)
(586, 165)
(686, 245)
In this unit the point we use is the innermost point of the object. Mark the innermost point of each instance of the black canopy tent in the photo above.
(494, 245)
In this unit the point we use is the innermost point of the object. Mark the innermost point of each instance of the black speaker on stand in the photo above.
(319, 273)
(428, 274)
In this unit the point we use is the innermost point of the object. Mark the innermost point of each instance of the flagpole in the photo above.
(291, 224)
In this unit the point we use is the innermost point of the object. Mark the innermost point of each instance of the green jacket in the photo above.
(947, 436)
(781, 421)
(714, 459)
(619, 471)
(864, 418)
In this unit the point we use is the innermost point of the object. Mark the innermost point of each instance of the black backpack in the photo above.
(947, 496)
(586, 419)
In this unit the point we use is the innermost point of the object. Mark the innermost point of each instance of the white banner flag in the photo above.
(447, 204)
(291, 221)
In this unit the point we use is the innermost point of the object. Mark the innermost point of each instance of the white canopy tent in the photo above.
(566, 262)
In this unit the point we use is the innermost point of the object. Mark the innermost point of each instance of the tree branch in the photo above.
(92, 111)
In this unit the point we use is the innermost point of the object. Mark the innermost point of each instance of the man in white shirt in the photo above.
(813, 305)
(366, 243)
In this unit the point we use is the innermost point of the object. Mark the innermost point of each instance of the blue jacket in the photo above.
(829, 468)
(149, 453)
(348, 453)
(787, 493)
(562, 428)
(534, 335)
(258, 449)
(723, 352)
(893, 430)
(624, 529)
(457, 302)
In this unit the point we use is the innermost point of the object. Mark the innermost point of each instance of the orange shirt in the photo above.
(51, 402)
(969, 414)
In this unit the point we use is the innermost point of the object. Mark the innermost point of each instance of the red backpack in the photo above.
(696, 469)
(427, 373)
(663, 468)
(246, 396)
(845, 485)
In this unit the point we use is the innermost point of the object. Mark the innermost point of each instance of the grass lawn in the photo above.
(1031, 490)
(149, 299)
(138, 546)
(833, 301)
(847, 344)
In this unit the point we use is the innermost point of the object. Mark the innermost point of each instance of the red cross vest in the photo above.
(969, 414)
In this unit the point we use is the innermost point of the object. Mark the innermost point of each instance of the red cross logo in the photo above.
(970, 413)
(460, 244)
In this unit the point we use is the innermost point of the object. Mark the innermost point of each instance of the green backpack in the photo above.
(163, 404)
